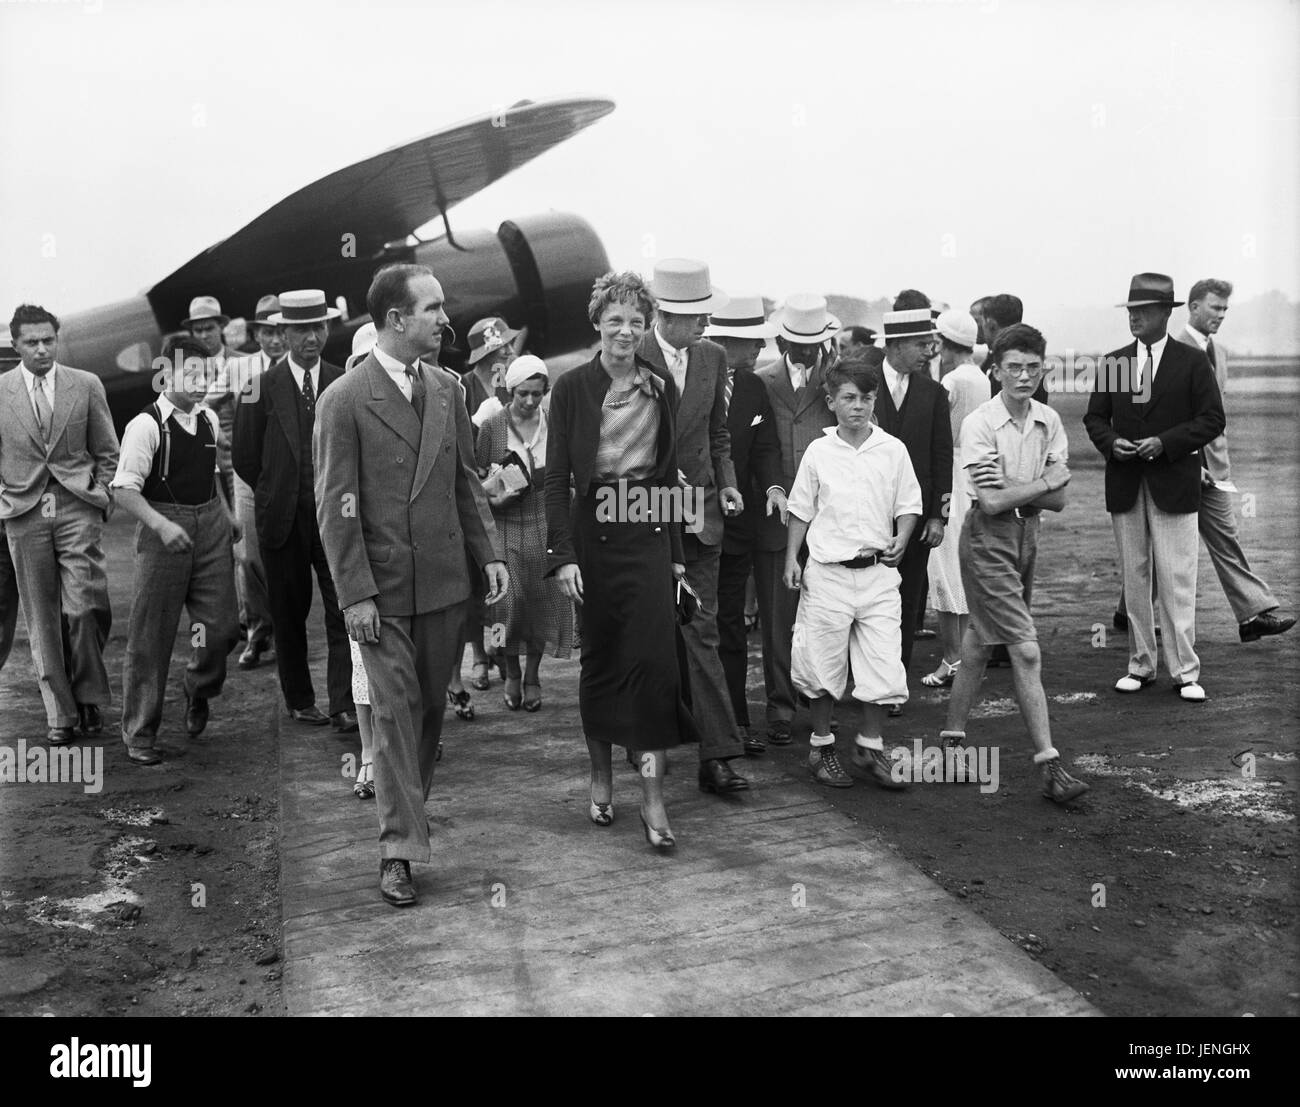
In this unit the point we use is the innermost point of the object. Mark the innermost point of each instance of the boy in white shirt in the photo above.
(856, 500)
(167, 477)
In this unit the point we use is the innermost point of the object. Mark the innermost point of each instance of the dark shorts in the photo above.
(997, 572)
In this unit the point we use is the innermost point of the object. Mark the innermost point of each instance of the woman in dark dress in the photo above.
(612, 430)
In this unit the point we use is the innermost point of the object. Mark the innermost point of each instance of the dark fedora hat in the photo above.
(1151, 288)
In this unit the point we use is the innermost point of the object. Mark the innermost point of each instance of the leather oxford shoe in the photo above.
(143, 757)
(395, 883)
(92, 725)
(344, 721)
(196, 716)
(312, 715)
(719, 777)
(61, 735)
(754, 745)
(1264, 624)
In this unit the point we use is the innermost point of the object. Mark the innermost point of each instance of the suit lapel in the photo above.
(65, 397)
(285, 398)
(1170, 363)
(437, 396)
(696, 396)
(781, 388)
(21, 404)
(391, 407)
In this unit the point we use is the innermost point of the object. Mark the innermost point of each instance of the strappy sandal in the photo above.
(532, 703)
(940, 679)
(364, 788)
(515, 701)
(460, 701)
(479, 676)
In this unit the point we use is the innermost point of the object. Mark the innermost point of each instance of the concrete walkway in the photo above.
(774, 904)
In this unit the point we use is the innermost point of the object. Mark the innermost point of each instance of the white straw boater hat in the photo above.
(681, 286)
(306, 305)
(742, 318)
(915, 323)
(804, 320)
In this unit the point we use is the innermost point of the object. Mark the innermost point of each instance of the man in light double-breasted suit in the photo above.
(58, 454)
(675, 346)
(400, 505)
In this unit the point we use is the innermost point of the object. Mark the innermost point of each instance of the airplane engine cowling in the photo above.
(535, 272)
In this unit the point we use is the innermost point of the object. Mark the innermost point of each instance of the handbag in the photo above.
(688, 603)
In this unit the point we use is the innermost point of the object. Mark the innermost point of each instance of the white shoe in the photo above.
(1192, 692)
(1130, 683)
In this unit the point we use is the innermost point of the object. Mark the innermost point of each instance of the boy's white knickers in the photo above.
(849, 616)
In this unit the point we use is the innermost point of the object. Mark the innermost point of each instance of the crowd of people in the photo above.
(627, 508)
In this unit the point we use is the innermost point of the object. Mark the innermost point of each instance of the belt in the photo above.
(861, 562)
(1026, 512)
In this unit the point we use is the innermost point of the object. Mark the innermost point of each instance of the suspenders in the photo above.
(166, 432)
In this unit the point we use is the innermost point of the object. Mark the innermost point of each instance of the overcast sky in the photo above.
(1051, 149)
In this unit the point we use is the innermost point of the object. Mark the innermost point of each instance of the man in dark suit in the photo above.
(58, 454)
(914, 408)
(993, 314)
(399, 504)
(1155, 405)
(796, 390)
(675, 347)
(741, 330)
(273, 454)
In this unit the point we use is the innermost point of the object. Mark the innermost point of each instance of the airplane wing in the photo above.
(379, 200)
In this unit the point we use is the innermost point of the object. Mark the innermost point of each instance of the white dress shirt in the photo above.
(395, 369)
(989, 433)
(46, 384)
(676, 361)
(891, 378)
(141, 439)
(297, 371)
(851, 495)
(1157, 352)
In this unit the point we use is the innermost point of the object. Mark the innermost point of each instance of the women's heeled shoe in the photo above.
(602, 814)
(660, 839)
(513, 700)
(533, 702)
(942, 677)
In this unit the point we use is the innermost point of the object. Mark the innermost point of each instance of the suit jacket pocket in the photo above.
(379, 554)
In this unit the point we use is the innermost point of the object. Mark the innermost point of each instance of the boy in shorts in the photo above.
(1015, 452)
(856, 501)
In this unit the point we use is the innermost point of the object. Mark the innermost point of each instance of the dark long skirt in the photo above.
(630, 690)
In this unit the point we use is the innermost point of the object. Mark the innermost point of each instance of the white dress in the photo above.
(360, 685)
(967, 388)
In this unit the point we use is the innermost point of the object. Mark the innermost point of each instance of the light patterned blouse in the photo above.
(629, 431)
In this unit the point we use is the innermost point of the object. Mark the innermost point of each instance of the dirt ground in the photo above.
(158, 895)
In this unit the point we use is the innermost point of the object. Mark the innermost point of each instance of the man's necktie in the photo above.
(796, 376)
(1144, 373)
(726, 392)
(899, 391)
(417, 391)
(44, 415)
(308, 393)
(1209, 352)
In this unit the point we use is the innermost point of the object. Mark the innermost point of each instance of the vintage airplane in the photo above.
(535, 272)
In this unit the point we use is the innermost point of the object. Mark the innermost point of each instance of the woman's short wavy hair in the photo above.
(620, 288)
